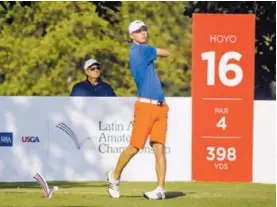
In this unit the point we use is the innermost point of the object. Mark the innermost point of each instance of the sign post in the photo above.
(222, 97)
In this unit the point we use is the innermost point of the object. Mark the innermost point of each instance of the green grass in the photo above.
(180, 194)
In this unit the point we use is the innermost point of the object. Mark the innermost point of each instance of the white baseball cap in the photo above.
(136, 25)
(90, 62)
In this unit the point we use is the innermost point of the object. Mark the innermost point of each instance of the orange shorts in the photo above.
(149, 119)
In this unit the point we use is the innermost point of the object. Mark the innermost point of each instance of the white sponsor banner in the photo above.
(24, 118)
(75, 139)
(82, 138)
(264, 149)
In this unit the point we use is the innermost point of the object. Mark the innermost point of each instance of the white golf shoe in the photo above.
(113, 186)
(157, 194)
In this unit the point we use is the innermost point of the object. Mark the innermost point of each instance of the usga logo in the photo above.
(30, 139)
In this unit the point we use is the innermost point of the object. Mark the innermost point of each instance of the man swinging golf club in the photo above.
(150, 111)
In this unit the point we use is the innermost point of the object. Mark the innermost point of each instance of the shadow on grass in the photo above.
(131, 196)
(175, 194)
(61, 184)
(168, 195)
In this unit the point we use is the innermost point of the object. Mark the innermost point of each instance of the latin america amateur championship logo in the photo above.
(66, 129)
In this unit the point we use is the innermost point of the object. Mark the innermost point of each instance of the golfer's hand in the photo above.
(162, 52)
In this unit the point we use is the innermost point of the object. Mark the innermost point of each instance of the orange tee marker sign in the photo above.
(222, 97)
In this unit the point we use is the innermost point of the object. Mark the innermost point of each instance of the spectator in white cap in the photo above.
(150, 111)
(93, 85)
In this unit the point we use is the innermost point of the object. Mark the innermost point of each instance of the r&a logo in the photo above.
(6, 139)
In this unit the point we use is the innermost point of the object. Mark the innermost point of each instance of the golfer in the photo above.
(150, 111)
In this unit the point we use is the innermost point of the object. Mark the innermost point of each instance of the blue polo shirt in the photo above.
(85, 88)
(142, 66)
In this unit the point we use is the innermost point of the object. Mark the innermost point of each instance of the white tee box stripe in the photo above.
(43, 187)
(52, 191)
(42, 183)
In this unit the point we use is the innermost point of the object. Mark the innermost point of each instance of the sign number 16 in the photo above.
(224, 67)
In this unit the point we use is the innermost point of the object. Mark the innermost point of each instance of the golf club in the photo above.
(111, 35)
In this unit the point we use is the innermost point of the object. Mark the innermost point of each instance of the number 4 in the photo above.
(222, 123)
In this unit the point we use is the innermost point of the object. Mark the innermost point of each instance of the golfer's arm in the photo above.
(162, 52)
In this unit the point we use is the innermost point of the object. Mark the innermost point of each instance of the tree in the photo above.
(45, 44)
